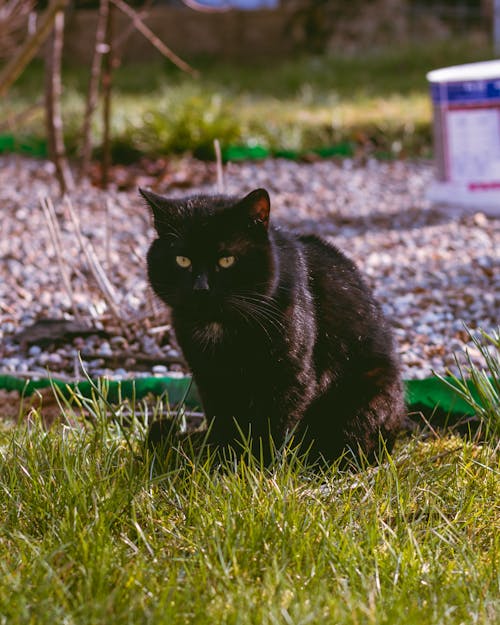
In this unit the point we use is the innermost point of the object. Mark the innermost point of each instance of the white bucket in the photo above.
(466, 101)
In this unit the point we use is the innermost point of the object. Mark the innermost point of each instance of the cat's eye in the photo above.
(183, 261)
(226, 261)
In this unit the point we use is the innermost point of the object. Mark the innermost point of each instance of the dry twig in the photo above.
(139, 357)
(18, 62)
(121, 40)
(18, 119)
(108, 232)
(95, 267)
(100, 48)
(106, 85)
(62, 260)
(53, 90)
(220, 170)
(152, 38)
(14, 16)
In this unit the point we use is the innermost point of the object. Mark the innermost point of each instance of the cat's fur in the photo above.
(289, 338)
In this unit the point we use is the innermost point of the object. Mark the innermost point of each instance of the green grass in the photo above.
(485, 382)
(377, 102)
(95, 530)
(89, 536)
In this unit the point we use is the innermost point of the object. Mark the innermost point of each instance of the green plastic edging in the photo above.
(30, 146)
(177, 389)
(428, 393)
(35, 146)
(259, 152)
(432, 393)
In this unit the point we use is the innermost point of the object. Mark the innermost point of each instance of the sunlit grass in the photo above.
(485, 400)
(95, 529)
(89, 534)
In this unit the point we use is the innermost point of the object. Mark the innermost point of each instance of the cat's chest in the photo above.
(215, 344)
(209, 335)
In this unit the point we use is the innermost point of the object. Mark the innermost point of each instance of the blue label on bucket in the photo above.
(466, 92)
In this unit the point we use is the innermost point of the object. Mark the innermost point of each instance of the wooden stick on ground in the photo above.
(220, 170)
(139, 357)
(108, 225)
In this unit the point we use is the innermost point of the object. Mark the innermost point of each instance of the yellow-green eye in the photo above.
(226, 261)
(183, 261)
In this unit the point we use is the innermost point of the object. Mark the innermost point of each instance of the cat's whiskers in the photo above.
(258, 311)
(264, 316)
(253, 316)
(208, 334)
(266, 306)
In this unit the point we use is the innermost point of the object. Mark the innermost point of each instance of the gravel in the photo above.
(433, 270)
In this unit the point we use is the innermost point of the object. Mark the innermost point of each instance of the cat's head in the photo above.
(210, 252)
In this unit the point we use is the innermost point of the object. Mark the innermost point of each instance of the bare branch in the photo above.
(93, 92)
(106, 85)
(22, 117)
(152, 38)
(122, 38)
(53, 91)
(14, 16)
(16, 65)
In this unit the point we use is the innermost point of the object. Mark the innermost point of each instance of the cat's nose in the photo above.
(201, 282)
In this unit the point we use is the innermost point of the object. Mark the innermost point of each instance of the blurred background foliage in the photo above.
(361, 96)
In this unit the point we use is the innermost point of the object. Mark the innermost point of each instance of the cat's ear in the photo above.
(257, 206)
(165, 211)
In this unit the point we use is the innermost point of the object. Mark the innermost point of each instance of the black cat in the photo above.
(280, 330)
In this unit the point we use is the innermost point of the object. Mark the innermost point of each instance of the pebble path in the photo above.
(433, 270)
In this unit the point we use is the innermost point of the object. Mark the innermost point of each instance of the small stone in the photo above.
(105, 349)
(174, 373)
(431, 274)
(118, 341)
(481, 220)
(54, 359)
(160, 369)
(34, 350)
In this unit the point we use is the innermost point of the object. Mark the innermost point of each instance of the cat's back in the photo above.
(324, 255)
(345, 307)
(332, 275)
